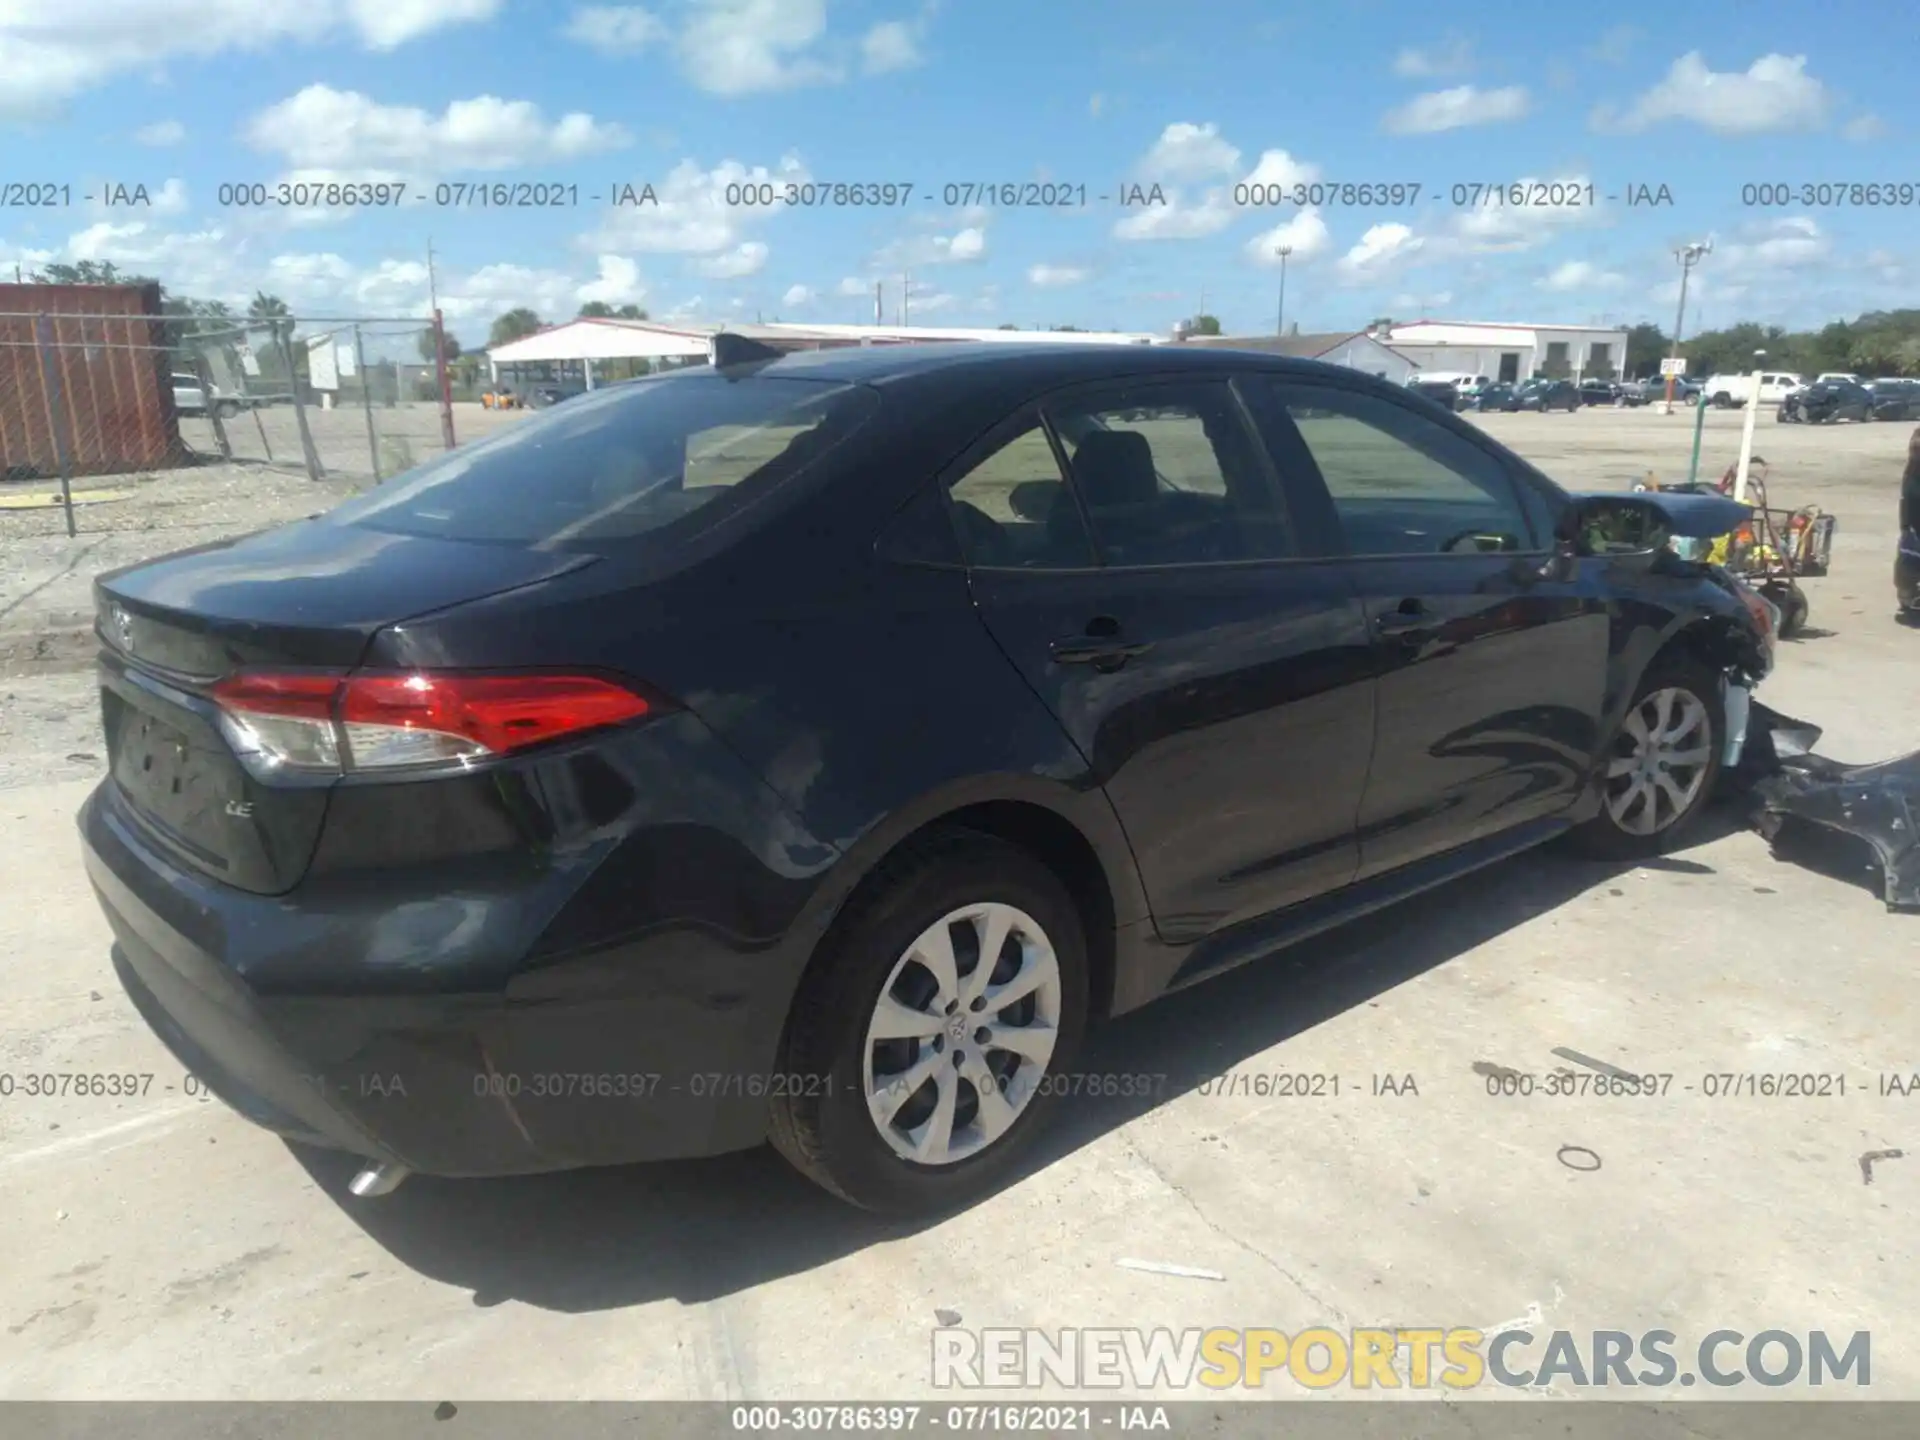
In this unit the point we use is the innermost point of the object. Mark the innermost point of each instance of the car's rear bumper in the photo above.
(630, 1053)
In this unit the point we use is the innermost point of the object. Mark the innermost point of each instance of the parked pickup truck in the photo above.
(1728, 391)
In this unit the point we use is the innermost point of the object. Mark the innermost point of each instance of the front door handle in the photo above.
(1409, 618)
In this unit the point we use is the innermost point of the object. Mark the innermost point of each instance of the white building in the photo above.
(1356, 350)
(1510, 352)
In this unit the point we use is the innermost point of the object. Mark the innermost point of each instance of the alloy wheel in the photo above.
(962, 1033)
(1660, 761)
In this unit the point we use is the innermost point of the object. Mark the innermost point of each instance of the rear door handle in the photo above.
(1101, 652)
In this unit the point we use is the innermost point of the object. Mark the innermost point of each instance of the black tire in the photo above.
(1603, 838)
(829, 1136)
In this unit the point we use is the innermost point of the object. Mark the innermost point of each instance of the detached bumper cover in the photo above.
(1878, 804)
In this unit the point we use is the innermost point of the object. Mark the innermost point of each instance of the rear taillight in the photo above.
(384, 722)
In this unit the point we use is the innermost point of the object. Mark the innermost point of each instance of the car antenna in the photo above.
(726, 349)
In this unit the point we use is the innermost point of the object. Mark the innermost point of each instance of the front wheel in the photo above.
(937, 1031)
(1659, 773)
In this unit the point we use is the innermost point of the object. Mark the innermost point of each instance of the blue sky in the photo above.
(184, 96)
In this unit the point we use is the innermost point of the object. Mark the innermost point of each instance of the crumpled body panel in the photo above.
(1878, 804)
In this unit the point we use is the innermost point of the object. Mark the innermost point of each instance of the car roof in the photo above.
(1047, 363)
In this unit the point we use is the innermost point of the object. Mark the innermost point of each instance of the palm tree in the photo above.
(272, 309)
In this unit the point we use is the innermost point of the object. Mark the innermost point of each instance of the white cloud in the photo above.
(1865, 127)
(345, 130)
(1049, 276)
(916, 250)
(1567, 202)
(1188, 152)
(738, 47)
(616, 29)
(1381, 249)
(1306, 235)
(160, 134)
(693, 216)
(1773, 93)
(1456, 108)
(387, 24)
(797, 295)
(1578, 275)
(1178, 220)
(52, 50)
(854, 285)
(749, 257)
(170, 198)
(618, 283)
(1785, 244)
(1408, 303)
(1455, 57)
(892, 45)
(931, 302)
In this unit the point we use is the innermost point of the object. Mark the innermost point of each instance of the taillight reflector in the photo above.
(388, 721)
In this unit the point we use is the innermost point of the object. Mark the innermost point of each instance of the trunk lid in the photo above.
(311, 595)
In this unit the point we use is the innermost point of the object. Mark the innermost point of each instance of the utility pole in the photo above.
(1689, 256)
(879, 301)
(1280, 318)
(906, 299)
(433, 290)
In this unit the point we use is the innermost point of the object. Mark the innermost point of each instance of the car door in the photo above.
(1492, 679)
(1130, 553)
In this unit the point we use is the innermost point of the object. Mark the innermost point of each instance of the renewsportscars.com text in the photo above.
(1417, 1358)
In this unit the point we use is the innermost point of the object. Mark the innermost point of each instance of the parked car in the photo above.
(1600, 392)
(1653, 390)
(1729, 391)
(1544, 395)
(1826, 401)
(1497, 396)
(734, 755)
(1443, 393)
(545, 395)
(1895, 399)
(1845, 375)
(190, 397)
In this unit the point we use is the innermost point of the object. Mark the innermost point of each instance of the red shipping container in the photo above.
(105, 353)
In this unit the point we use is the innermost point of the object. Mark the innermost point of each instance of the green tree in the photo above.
(596, 310)
(630, 312)
(426, 347)
(513, 325)
(1647, 346)
(1009, 325)
(1075, 329)
(1204, 325)
(87, 272)
(273, 310)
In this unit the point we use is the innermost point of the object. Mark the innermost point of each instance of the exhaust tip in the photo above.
(380, 1179)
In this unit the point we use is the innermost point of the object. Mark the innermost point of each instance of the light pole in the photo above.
(1689, 256)
(1746, 430)
(1280, 320)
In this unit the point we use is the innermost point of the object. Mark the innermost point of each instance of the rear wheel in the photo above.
(937, 1025)
(1659, 773)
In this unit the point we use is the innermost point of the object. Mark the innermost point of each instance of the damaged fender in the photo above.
(1877, 803)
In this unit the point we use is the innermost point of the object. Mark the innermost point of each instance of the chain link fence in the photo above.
(362, 398)
(85, 397)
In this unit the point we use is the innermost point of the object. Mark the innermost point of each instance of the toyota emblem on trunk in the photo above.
(123, 628)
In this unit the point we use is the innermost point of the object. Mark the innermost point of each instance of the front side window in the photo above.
(1401, 483)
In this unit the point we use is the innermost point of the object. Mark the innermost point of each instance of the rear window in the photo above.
(621, 463)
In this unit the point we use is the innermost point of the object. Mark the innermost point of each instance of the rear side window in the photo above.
(622, 462)
(1403, 484)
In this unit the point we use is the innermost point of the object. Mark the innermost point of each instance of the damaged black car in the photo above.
(808, 748)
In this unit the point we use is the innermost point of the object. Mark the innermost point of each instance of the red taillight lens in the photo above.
(394, 721)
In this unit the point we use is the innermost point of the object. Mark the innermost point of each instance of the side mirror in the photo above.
(1615, 526)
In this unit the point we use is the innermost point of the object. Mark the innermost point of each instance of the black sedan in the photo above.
(1443, 393)
(1601, 392)
(1825, 402)
(1499, 396)
(809, 748)
(1544, 395)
